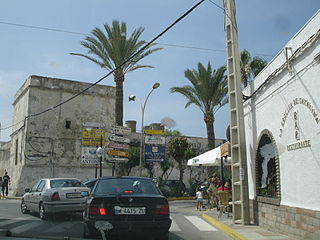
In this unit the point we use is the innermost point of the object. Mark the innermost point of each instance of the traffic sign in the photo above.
(119, 139)
(155, 140)
(118, 145)
(154, 153)
(92, 137)
(89, 155)
(120, 130)
(117, 153)
(117, 160)
(157, 132)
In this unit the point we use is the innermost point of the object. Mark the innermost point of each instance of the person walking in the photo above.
(5, 183)
(199, 196)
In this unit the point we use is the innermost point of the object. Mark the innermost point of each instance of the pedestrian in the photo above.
(199, 196)
(213, 190)
(0, 186)
(5, 183)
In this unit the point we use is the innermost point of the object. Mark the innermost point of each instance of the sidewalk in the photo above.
(239, 231)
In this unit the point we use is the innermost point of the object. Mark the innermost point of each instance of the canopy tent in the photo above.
(212, 157)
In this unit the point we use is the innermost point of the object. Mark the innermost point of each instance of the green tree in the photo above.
(177, 149)
(165, 167)
(134, 158)
(150, 168)
(250, 68)
(169, 132)
(208, 91)
(111, 50)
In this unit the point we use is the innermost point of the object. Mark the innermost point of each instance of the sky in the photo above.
(264, 28)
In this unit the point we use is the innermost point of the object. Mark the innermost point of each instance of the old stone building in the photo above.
(51, 135)
(46, 133)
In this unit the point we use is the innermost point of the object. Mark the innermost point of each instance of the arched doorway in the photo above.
(267, 167)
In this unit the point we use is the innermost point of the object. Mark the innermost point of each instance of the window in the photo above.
(68, 124)
(41, 186)
(66, 183)
(267, 168)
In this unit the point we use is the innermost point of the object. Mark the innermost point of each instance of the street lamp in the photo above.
(133, 98)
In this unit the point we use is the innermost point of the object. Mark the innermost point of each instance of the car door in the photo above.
(29, 196)
(34, 202)
(37, 197)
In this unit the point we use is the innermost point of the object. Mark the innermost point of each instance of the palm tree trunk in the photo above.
(119, 79)
(209, 119)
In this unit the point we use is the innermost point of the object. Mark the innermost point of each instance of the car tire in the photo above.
(23, 207)
(42, 212)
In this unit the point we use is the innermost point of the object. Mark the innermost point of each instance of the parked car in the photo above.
(171, 188)
(90, 183)
(120, 206)
(55, 195)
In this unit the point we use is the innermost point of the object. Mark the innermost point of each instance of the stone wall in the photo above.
(298, 223)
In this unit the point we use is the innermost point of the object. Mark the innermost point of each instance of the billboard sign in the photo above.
(154, 153)
(89, 155)
(118, 145)
(117, 160)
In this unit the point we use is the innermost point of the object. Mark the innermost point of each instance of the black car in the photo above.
(90, 183)
(122, 206)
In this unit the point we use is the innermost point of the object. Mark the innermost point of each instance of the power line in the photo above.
(123, 63)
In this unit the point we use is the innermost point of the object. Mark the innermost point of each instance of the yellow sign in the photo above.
(150, 131)
(92, 137)
(117, 153)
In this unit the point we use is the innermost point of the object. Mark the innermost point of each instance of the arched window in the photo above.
(267, 167)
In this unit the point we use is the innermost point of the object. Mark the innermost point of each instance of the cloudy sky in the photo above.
(264, 28)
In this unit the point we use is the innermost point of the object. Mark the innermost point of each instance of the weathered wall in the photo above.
(46, 147)
(288, 106)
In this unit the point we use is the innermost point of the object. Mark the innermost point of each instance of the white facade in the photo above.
(286, 104)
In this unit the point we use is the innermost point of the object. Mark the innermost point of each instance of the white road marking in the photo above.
(200, 223)
(25, 227)
(174, 227)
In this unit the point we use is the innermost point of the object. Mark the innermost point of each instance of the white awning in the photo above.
(210, 158)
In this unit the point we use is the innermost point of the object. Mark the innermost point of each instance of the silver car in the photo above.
(55, 195)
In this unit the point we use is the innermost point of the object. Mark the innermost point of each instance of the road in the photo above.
(187, 223)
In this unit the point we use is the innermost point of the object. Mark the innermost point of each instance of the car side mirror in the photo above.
(27, 190)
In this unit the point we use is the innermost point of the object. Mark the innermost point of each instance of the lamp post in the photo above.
(143, 106)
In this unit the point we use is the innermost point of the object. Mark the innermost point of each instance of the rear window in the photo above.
(59, 183)
(125, 186)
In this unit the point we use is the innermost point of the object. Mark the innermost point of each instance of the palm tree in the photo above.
(208, 91)
(250, 67)
(112, 51)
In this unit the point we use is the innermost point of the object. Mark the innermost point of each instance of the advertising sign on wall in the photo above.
(89, 155)
(154, 153)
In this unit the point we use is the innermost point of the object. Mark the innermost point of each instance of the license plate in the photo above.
(129, 210)
(74, 195)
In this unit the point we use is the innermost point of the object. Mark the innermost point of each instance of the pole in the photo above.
(141, 142)
(222, 173)
(96, 171)
(101, 157)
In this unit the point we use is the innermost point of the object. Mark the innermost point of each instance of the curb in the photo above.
(223, 227)
(180, 198)
(15, 198)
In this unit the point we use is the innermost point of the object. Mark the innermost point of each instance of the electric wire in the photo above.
(123, 63)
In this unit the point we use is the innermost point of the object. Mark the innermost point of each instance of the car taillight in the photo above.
(55, 197)
(95, 211)
(162, 210)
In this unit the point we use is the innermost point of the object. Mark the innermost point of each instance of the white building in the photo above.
(282, 122)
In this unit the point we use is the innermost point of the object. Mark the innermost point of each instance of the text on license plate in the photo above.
(74, 195)
(129, 210)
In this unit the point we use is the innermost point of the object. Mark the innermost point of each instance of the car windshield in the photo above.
(125, 185)
(58, 183)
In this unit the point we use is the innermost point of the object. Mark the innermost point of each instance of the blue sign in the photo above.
(154, 153)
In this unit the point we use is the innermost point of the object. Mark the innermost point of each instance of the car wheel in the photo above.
(86, 232)
(24, 208)
(42, 212)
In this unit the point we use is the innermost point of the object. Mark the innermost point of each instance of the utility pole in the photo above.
(240, 194)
